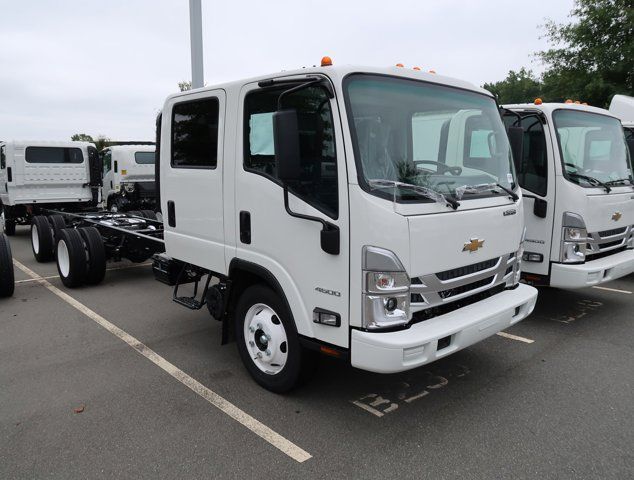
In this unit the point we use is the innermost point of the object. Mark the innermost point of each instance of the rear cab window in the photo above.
(195, 134)
(144, 158)
(53, 155)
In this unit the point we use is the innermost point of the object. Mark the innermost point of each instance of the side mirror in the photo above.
(540, 208)
(286, 142)
(630, 145)
(516, 139)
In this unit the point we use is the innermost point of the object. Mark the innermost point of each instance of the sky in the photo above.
(105, 67)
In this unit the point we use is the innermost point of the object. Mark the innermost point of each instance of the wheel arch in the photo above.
(243, 274)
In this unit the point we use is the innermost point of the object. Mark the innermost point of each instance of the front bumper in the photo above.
(593, 272)
(391, 352)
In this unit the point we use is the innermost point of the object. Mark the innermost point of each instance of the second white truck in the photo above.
(576, 176)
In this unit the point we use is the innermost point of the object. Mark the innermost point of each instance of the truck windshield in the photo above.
(441, 138)
(592, 148)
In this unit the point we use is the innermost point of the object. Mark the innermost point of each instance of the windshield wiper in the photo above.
(424, 191)
(485, 187)
(619, 180)
(591, 180)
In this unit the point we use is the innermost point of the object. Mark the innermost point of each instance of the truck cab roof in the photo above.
(342, 71)
(47, 143)
(549, 108)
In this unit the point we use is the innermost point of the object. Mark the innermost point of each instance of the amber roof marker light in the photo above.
(538, 101)
(326, 61)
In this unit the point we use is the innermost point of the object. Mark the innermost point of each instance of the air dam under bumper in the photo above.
(592, 272)
(418, 345)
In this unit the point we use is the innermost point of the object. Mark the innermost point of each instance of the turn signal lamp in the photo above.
(399, 65)
(326, 62)
(124, 172)
(538, 101)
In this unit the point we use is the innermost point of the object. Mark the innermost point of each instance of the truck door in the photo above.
(94, 169)
(108, 181)
(4, 189)
(266, 234)
(191, 178)
(536, 176)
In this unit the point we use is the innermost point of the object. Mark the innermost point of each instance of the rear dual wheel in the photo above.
(7, 279)
(42, 239)
(44, 235)
(81, 257)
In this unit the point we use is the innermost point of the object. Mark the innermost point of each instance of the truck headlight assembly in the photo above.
(129, 187)
(386, 290)
(573, 239)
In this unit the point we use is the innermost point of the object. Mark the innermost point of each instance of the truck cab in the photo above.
(371, 214)
(128, 177)
(45, 174)
(576, 177)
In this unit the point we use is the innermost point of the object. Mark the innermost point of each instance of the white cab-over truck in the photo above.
(576, 177)
(35, 175)
(371, 214)
(622, 107)
(128, 178)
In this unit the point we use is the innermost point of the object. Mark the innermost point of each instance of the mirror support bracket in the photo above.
(330, 238)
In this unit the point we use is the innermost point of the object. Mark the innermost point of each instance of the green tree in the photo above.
(517, 87)
(102, 142)
(592, 57)
(81, 137)
(184, 85)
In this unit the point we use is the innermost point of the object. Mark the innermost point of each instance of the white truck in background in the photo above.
(371, 214)
(576, 178)
(36, 175)
(622, 107)
(128, 178)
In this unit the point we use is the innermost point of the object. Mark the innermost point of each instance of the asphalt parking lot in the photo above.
(552, 399)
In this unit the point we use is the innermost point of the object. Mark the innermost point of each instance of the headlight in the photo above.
(573, 239)
(386, 290)
(129, 187)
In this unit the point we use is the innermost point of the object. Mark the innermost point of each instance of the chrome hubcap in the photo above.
(265, 339)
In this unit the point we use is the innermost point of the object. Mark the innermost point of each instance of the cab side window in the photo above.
(107, 161)
(532, 168)
(318, 183)
(195, 134)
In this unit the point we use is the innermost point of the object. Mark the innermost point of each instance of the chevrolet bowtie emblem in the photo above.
(616, 216)
(472, 245)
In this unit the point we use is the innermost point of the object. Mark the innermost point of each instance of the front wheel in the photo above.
(267, 341)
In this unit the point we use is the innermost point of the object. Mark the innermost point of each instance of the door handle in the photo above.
(245, 227)
(171, 213)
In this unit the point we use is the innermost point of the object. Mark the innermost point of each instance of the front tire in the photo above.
(7, 280)
(267, 340)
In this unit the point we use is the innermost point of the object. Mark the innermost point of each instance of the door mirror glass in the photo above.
(516, 139)
(286, 141)
(540, 208)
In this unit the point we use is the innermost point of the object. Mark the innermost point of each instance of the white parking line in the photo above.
(613, 290)
(257, 427)
(515, 337)
(125, 267)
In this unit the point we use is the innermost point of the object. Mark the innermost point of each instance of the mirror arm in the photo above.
(326, 225)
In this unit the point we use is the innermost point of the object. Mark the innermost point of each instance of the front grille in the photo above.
(596, 256)
(452, 292)
(450, 307)
(610, 233)
(610, 244)
(466, 270)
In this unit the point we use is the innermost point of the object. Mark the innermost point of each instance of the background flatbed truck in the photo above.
(38, 175)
